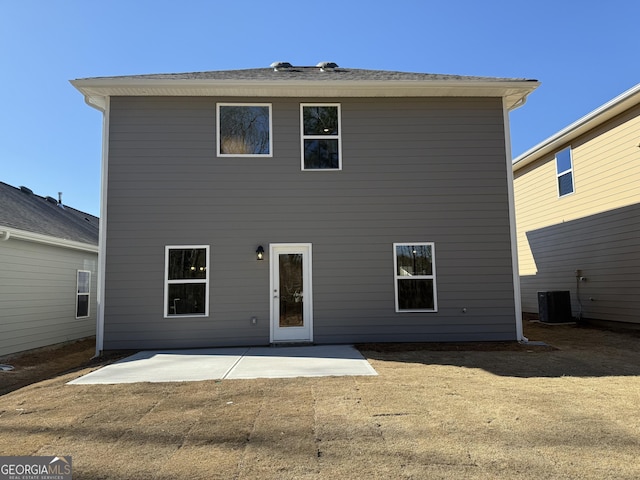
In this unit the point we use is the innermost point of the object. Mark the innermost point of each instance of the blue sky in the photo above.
(50, 140)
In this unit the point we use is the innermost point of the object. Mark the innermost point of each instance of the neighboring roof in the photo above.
(323, 80)
(600, 115)
(23, 211)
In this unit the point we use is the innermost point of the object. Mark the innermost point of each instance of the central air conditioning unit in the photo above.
(554, 307)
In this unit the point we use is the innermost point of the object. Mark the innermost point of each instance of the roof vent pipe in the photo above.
(60, 197)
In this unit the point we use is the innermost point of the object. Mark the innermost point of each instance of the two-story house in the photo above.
(578, 210)
(306, 204)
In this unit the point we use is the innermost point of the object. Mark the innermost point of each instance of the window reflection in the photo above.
(321, 154)
(320, 120)
(415, 294)
(186, 299)
(291, 290)
(244, 130)
(187, 263)
(414, 260)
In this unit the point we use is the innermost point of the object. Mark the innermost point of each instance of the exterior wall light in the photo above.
(260, 253)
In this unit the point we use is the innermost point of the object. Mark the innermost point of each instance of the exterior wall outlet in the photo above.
(254, 320)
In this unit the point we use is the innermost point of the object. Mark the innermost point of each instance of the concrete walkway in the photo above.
(232, 363)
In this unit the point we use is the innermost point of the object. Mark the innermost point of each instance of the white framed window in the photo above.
(244, 130)
(564, 172)
(415, 277)
(321, 138)
(83, 290)
(186, 292)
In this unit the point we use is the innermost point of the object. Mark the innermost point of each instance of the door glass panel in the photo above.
(291, 290)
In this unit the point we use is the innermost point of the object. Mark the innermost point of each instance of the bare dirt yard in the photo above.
(434, 412)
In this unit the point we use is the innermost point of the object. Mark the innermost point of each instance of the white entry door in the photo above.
(291, 299)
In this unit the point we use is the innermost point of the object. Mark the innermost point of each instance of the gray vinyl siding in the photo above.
(413, 170)
(606, 248)
(38, 295)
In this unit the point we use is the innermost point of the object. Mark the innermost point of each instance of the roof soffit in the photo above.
(96, 90)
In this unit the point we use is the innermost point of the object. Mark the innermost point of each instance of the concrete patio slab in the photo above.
(308, 361)
(232, 363)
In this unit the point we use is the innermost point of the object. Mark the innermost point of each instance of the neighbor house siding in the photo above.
(38, 295)
(413, 170)
(595, 229)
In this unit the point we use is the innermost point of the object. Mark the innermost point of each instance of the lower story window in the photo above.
(415, 277)
(83, 288)
(186, 281)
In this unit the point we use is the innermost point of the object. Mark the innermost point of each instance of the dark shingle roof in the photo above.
(23, 210)
(309, 73)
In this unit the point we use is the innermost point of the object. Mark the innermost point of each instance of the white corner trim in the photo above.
(102, 242)
(517, 294)
(7, 233)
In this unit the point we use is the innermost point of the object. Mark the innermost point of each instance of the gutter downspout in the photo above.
(102, 260)
(103, 104)
(512, 223)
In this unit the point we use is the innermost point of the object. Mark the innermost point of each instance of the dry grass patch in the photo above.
(525, 413)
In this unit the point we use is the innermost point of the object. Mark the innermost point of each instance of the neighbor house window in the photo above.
(186, 281)
(83, 287)
(244, 130)
(415, 277)
(564, 171)
(321, 143)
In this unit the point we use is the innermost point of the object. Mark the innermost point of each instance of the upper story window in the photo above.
(186, 281)
(415, 277)
(321, 143)
(564, 171)
(244, 130)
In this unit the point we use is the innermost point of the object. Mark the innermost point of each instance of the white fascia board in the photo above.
(600, 115)
(94, 90)
(8, 234)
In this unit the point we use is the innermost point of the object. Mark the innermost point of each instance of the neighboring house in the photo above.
(578, 213)
(48, 271)
(306, 204)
